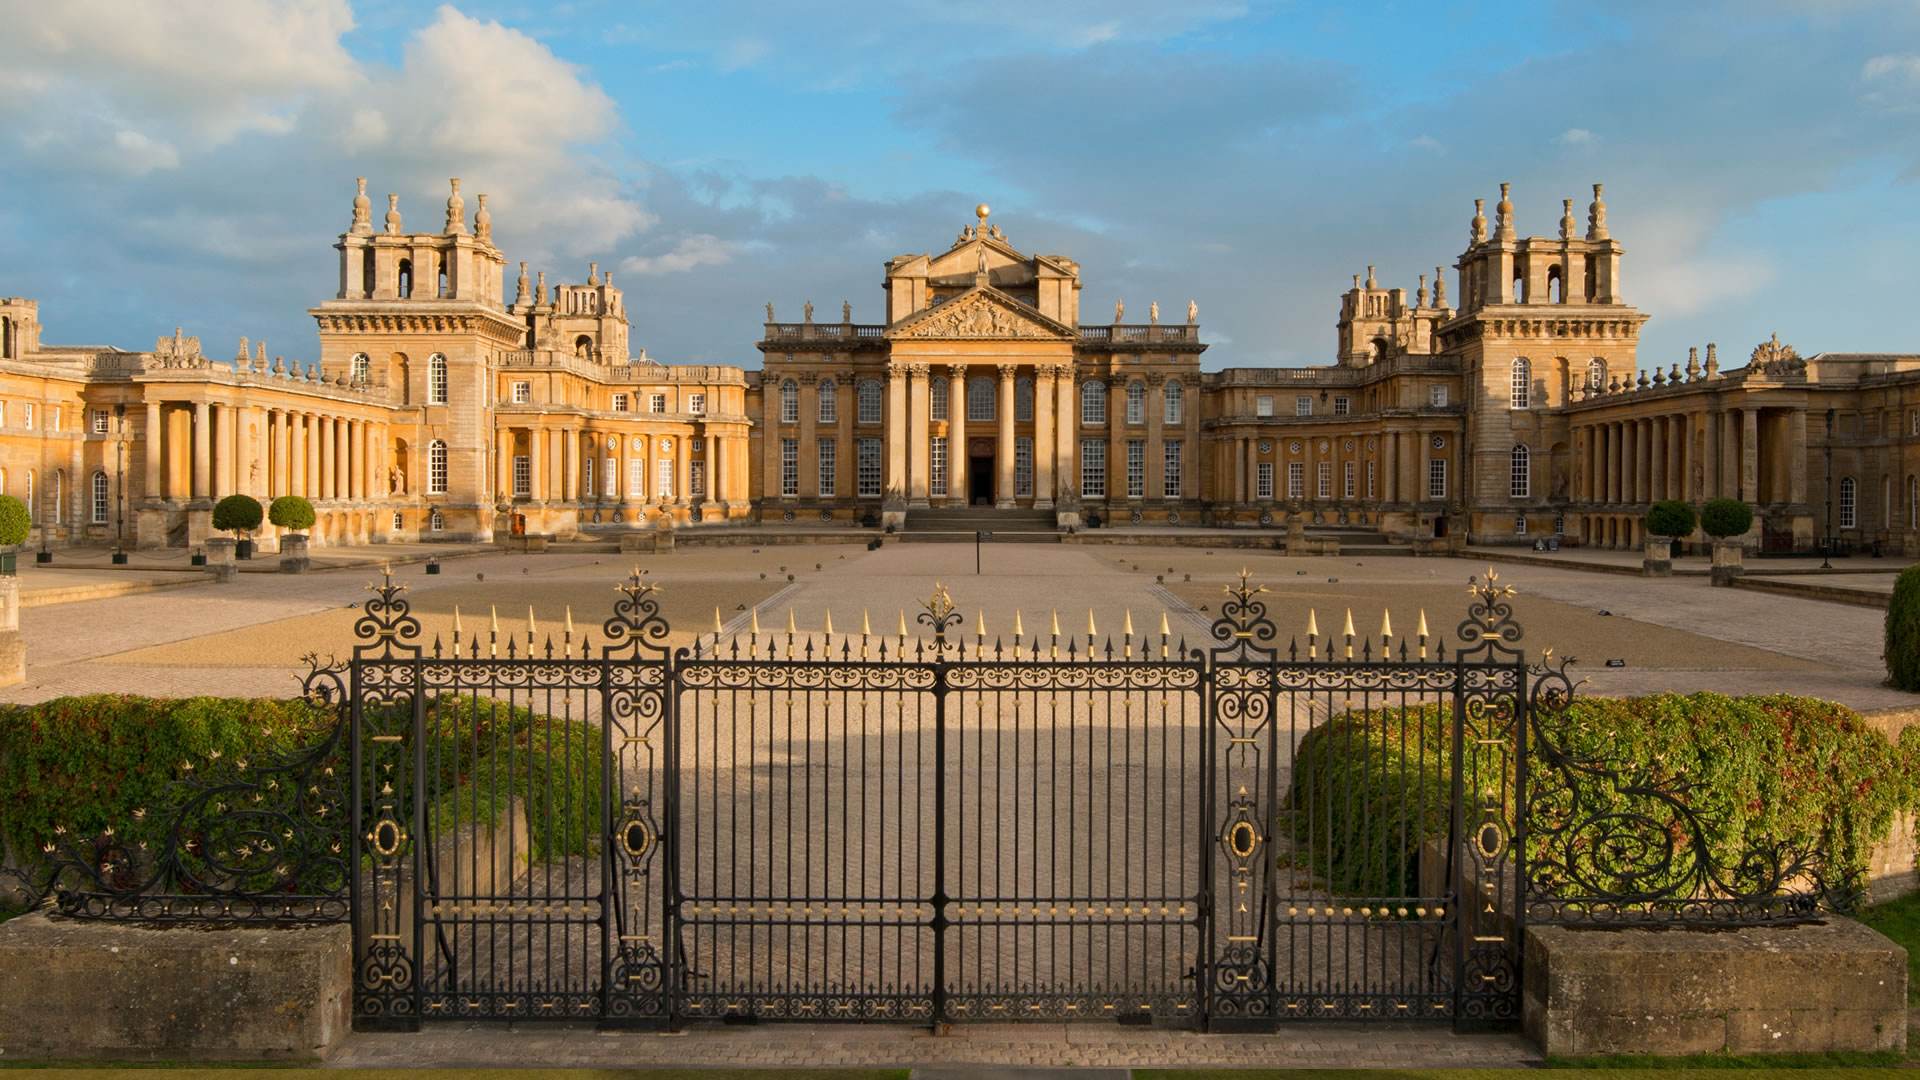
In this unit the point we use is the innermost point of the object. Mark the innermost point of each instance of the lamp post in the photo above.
(1826, 543)
(120, 480)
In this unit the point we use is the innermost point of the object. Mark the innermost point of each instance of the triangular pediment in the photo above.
(980, 313)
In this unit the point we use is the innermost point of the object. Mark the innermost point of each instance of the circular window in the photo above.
(666, 446)
(1439, 442)
(1347, 446)
(1265, 446)
(1323, 445)
(639, 443)
(1293, 447)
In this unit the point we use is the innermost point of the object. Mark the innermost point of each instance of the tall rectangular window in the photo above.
(937, 466)
(789, 467)
(1437, 478)
(659, 403)
(1263, 480)
(1303, 405)
(829, 395)
(522, 392)
(1023, 466)
(522, 476)
(1323, 480)
(1437, 395)
(829, 468)
(611, 483)
(100, 498)
(637, 478)
(586, 476)
(1370, 472)
(1347, 480)
(100, 421)
(696, 479)
(619, 403)
(697, 404)
(1849, 503)
(663, 479)
(1170, 471)
(1296, 480)
(1263, 405)
(1136, 403)
(1136, 468)
(26, 415)
(1093, 468)
(867, 405)
(1342, 406)
(868, 465)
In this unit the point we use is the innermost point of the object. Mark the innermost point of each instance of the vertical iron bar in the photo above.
(939, 899)
(1457, 868)
(356, 829)
(420, 855)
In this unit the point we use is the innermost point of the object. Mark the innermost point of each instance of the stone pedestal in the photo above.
(199, 524)
(293, 554)
(1728, 564)
(221, 563)
(1657, 560)
(13, 645)
(1822, 987)
(85, 990)
(150, 527)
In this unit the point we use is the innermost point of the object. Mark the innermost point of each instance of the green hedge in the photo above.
(1722, 518)
(1902, 647)
(1369, 787)
(1670, 517)
(14, 521)
(480, 750)
(291, 512)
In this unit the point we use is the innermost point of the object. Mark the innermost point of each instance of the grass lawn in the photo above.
(1900, 920)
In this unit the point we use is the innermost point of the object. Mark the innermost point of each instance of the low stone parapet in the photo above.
(81, 990)
(1830, 986)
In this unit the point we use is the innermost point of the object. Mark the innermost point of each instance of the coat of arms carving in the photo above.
(976, 317)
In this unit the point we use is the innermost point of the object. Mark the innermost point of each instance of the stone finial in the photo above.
(1673, 377)
(540, 290)
(607, 279)
(483, 222)
(1659, 377)
(1477, 230)
(1614, 386)
(279, 365)
(242, 354)
(520, 285)
(593, 273)
(1642, 381)
(769, 311)
(846, 311)
(1566, 219)
(1356, 283)
(362, 209)
(1597, 216)
(1693, 363)
(456, 209)
(1420, 295)
(1439, 288)
(1193, 312)
(1713, 359)
(260, 353)
(1503, 214)
(1371, 283)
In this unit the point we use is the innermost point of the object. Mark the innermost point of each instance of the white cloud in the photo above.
(1677, 269)
(1425, 142)
(142, 154)
(1576, 137)
(1904, 67)
(700, 249)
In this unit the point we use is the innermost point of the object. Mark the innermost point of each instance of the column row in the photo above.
(570, 465)
(205, 451)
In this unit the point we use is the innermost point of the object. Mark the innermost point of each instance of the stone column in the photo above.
(769, 438)
(537, 464)
(1709, 456)
(1251, 448)
(1796, 449)
(1156, 438)
(1003, 452)
(957, 435)
(202, 448)
(1656, 458)
(503, 465)
(713, 490)
(1750, 455)
(1066, 426)
(342, 458)
(317, 456)
(276, 452)
(807, 459)
(570, 465)
(683, 469)
(896, 433)
(1044, 439)
(919, 403)
(243, 451)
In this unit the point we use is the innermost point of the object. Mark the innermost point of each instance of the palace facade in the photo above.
(440, 409)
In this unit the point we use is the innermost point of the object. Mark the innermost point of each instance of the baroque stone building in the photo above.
(441, 409)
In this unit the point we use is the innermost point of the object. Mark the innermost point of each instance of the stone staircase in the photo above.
(943, 525)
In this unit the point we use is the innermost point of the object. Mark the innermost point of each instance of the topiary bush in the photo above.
(291, 512)
(14, 522)
(1670, 517)
(237, 514)
(1722, 518)
(1903, 631)
(1371, 788)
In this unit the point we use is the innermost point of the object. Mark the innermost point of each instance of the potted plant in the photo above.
(1726, 520)
(13, 531)
(239, 515)
(1667, 521)
(295, 513)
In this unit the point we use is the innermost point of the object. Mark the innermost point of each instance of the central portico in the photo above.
(982, 389)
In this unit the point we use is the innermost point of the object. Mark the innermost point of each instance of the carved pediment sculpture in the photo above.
(1772, 358)
(976, 317)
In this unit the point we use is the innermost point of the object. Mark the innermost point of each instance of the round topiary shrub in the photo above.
(291, 512)
(237, 514)
(1903, 631)
(1722, 518)
(1670, 517)
(14, 522)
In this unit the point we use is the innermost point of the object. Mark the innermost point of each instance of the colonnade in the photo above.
(1399, 460)
(577, 465)
(203, 451)
(1745, 453)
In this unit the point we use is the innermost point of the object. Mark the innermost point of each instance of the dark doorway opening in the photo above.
(1439, 525)
(980, 481)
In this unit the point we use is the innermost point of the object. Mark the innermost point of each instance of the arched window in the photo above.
(1023, 399)
(436, 379)
(1136, 402)
(1597, 373)
(789, 402)
(1174, 398)
(1522, 395)
(436, 468)
(829, 401)
(1519, 289)
(979, 398)
(6, 338)
(404, 285)
(1093, 402)
(361, 369)
(1522, 484)
(436, 521)
(443, 294)
(937, 398)
(1849, 508)
(102, 499)
(399, 521)
(366, 274)
(868, 394)
(1554, 286)
(583, 346)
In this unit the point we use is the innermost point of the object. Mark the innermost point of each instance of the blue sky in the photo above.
(191, 164)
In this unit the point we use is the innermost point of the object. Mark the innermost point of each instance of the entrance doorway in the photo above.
(980, 480)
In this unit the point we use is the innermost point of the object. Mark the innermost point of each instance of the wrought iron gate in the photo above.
(936, 827)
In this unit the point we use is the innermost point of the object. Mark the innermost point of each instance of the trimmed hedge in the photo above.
(237, 513)
(1670, 517)
(1902, 651)
(1722, 518)
(1369, 788)
(291, 512)
(14, 522)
